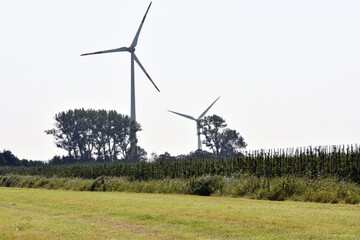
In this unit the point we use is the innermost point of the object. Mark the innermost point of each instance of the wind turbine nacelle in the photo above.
(131, 49)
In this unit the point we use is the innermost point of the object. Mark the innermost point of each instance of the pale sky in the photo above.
(288, 72)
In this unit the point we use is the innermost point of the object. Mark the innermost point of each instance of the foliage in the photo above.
(166, 156)
(342, 162)
(323, 190)
(196, 155)
(96, 134)
(224, 142)
(7, 158)
(206, 185)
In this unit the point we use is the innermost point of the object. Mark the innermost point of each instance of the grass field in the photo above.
(49, 214)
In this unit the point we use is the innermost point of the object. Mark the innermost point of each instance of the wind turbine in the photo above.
(131, 50)
(197, 120)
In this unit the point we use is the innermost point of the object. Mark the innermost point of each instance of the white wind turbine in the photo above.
(131, 50)
(197, 120)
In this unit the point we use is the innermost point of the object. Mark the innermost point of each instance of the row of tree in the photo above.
(96, 134)
(102, 135)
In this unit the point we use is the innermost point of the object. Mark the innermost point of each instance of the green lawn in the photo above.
(49, 214)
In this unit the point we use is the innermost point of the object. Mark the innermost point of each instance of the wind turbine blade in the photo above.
(183, 115)
(122, 49)
(141, 66)
(203, 114)
(134, 42)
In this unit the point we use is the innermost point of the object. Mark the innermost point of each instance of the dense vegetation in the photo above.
(321, 174)
(223, 141)
(96, 134)
(107, 136)
(7, 158)
(342, 162)
(325, 190)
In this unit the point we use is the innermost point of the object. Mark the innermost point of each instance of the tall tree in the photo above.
(221, 140)
(95, 134)
(8, 159)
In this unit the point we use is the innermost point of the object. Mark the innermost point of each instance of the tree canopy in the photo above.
(221, 140)
(7, 158)
(96, 134)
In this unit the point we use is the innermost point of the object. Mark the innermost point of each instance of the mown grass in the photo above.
(49, 214)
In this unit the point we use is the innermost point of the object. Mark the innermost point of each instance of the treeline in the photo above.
(107, 136)
(341, 162)
(7, 158)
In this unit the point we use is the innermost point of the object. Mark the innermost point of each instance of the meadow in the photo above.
(50, 214)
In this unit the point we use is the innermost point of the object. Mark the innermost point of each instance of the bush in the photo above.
(277, 193)
(98, 184)
(205, 186)
(5, 182)
(321, 196)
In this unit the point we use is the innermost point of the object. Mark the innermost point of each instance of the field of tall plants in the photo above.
(318, 174)
(342, 162)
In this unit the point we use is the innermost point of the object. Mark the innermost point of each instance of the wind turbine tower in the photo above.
(197, 120)
(131, 50)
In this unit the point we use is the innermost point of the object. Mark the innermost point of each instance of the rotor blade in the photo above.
(141, 66)
(134, 42)
(122, 49)
(203, 114)
(183, 115)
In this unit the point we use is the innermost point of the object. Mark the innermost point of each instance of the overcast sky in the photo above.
(287, 72)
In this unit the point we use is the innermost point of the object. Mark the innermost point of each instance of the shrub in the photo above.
(205, 186)
(354, 199)
(277, 193)
(321, 196)
(98, 184)
(263, 194)
(5, 182)
(41, 182)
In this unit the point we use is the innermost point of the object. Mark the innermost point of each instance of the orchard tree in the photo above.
(221, 140)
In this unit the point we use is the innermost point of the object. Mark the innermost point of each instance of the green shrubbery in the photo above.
(324, 190)
(75, 184)
(206, 185)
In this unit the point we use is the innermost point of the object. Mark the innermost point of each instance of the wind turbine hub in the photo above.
(131, 49)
